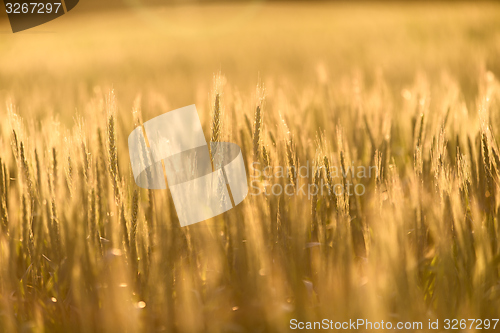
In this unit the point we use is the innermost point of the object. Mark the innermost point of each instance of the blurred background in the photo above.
(139, 46)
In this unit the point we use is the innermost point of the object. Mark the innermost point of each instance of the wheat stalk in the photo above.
(216, 120)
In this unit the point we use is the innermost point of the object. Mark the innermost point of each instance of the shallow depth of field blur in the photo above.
(412, 88)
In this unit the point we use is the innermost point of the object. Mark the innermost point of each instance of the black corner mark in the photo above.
(31, 13)
(70, 4)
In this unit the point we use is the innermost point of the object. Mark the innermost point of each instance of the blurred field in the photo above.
(160, 49)
(410, 87)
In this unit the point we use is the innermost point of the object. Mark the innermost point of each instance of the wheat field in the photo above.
(410, 89)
